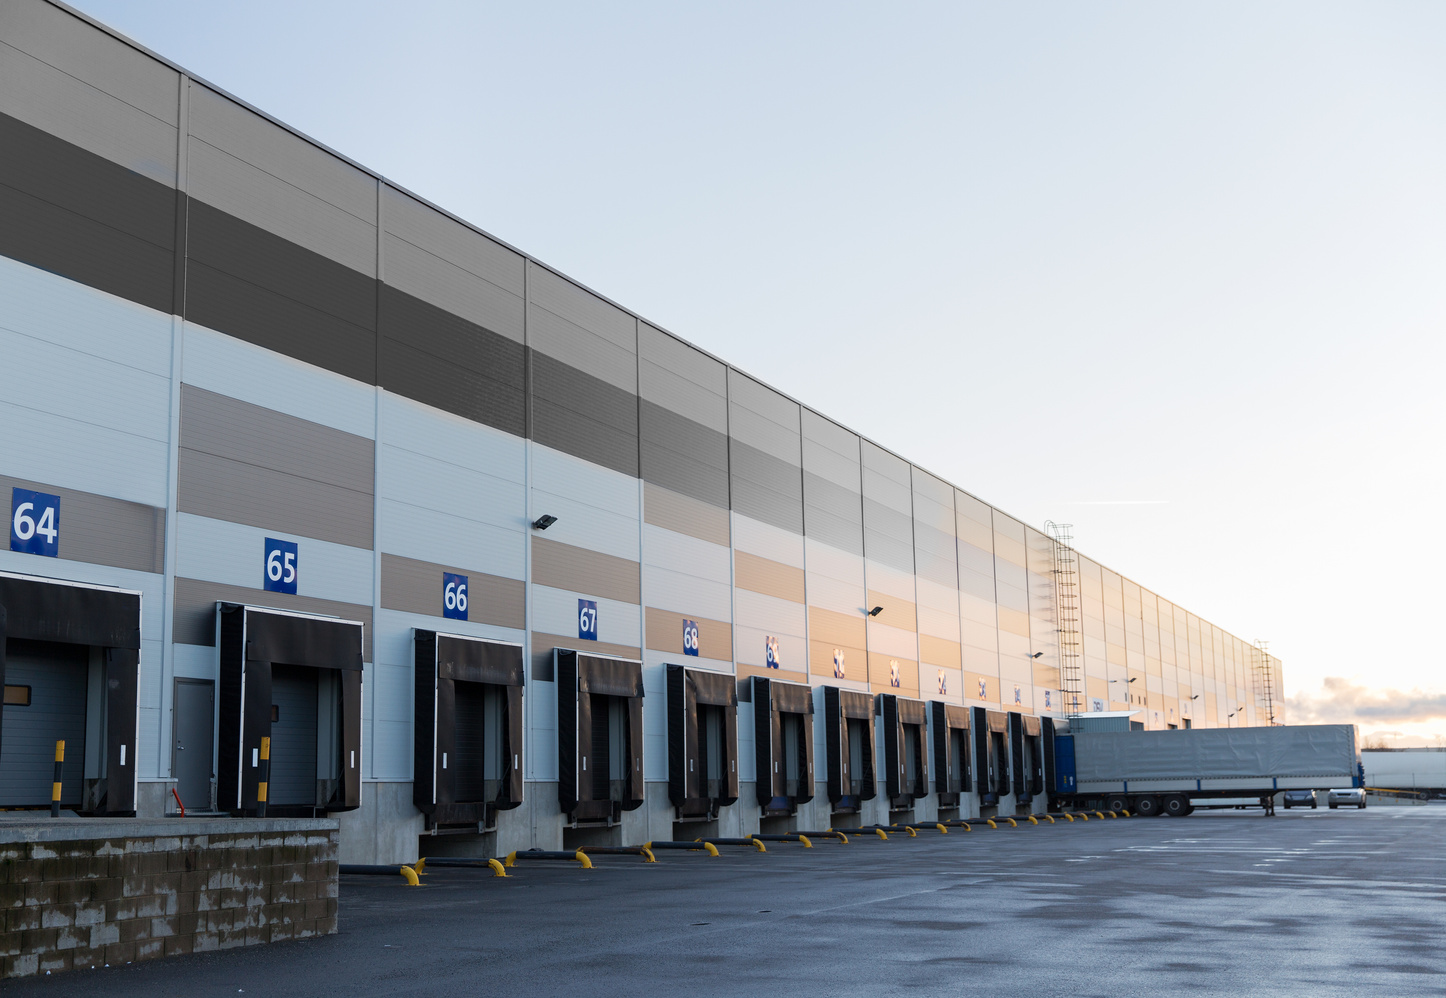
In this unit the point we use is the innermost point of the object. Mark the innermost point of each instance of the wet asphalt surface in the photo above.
(1308, 903)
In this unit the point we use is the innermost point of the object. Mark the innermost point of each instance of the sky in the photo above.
(1172, 273)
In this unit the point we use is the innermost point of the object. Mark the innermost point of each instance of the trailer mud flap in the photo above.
(702, 740)
(467, 756)
(328, 651)
(850, 746)
(33, 608)
(599, 735)
(783, 743)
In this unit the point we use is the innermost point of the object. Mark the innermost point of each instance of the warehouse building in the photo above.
(490, 561)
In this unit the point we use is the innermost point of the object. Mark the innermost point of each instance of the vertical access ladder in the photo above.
(1066, 605)
(1264, 679)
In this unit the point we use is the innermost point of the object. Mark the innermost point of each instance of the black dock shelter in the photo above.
(953, 777)
(467, 730)
(295, 678)
(702, 741)
(783, 745)
(991, 749)
(599, 736)
(1026, 751)
(849, 742)
(65, 647)
(906, 749)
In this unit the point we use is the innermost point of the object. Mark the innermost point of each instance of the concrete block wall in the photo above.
(83, 893)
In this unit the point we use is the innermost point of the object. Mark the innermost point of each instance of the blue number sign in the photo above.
(454, 596)
(34, 522)
(279, 575)
(894, 673)
(772, 657)
(587, 619)
(690, 638)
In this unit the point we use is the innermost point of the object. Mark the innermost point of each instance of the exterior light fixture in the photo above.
(876, 611)
(544, 521)
(1038, 654)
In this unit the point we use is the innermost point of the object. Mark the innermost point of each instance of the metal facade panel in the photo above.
(252, 284)
(83, 455)
(766, 539)
(454, 288)
(428, 354)
(194, 622)
(554, 611)
(764, 575)
(246, 464)
(683, 553)
(765, 487)
(663, 631)
(408, 425)
(55, 101)
(563, 566)
(413, 586)
(682, 455)
(684, 514)
(447, 239)
(584, 416)
(682, 379)
(81, 216)
(233, 553)
(583, 309)
(101, 530)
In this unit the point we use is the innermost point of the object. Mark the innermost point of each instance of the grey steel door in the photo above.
(54, 677)
(192, 724)
(293, 736)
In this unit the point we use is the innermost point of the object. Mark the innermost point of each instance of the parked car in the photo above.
(1299, 798)
(1353, 796)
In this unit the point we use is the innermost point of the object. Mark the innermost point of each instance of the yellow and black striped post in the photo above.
(55, 787)
(265, 776)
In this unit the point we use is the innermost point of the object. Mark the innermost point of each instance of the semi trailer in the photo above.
(1172, 772)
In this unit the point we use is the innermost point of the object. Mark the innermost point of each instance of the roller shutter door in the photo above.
(293, 736)
(56, 675)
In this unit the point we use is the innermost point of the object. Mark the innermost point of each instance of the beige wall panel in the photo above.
(940, 652)
(856, 664)
(897, 612)
(833, 628)
(684, 514)
(563, 566)
(880, 672)
(767, 540)
(785, 675)
(663, 631)
(972, 687)
(939, 623)
(890, 582)
(542, 643)
(896, 641)
(1014, 622)
(414, 586)
(763, 575)
(842, 566)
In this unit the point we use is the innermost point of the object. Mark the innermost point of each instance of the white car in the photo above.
(1353, 796)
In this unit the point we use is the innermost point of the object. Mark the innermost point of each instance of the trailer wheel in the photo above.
(1147, 807)
(1176, 805)
(1117, 804)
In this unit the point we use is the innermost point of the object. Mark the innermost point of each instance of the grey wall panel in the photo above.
(81, 216)
(832, 514)
(432, 356)
(242, 463)
(447, 239)
(447, 286)
(759, 398)
(766, 488)
(195, 617)
(682, 379)
(57, 102)
(102, 530)
(564, 566)
(583, 309)
(246, 282)
(888, 508)
(685, 515)
(680, 454)
(263, 174)
(414, 586)
(583, 416)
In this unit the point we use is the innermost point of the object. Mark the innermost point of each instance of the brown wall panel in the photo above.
(413, 586)
(563, 566)
(766, 576)
(663, 631)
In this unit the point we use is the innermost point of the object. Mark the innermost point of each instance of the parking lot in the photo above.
(1309, 902)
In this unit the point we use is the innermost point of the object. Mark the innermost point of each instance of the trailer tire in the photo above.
(1189, 809)
(1117, 804)
(1332, 807)
(1175, 805)
(1147, 807)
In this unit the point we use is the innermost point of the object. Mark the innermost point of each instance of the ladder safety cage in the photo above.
(906, 749)
(702, 741)
(783, 744)
(849, 742)
(953, 776)
(1067, 617)
(599, 735)
(467, 753)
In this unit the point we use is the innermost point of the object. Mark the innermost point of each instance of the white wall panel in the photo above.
(767, 541)
(554, 611)
(234, 554)
(688, 594)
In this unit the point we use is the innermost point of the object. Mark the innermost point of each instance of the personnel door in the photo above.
(193, 722)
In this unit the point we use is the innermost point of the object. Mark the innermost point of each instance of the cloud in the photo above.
(1340, 701)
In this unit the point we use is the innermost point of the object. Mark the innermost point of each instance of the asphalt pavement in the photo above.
(1309, 903)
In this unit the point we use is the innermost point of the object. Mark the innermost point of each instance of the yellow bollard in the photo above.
(648, 855)
(55, 787)
(1032, 821)
(581, 857)
(1012, 822)
(760, 845)
(991, 822)
(942, 829)
(411, 876)
(882, 834)
(512, 858)
(806, 844)
(712, 849)
(497, 868)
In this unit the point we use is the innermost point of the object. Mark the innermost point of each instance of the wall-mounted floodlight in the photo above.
(1038, 654)
(1195, 697)
(1126, 681)
(876, 611)
(544, 521)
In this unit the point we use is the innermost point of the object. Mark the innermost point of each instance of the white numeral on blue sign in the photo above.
(281, 566)
(587, 619)
(690, 638)
(772, 657)
(34, 522)
(454, 596)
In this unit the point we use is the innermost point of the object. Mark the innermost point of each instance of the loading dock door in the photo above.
(599, 735)
(467, 758)
(783, 744)
(991, 751)
(849, 741)
(905, 765)
(54, 678)
(305, 671)
(90, 635)
(952, 777)
(193, 727)
(702, 741)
